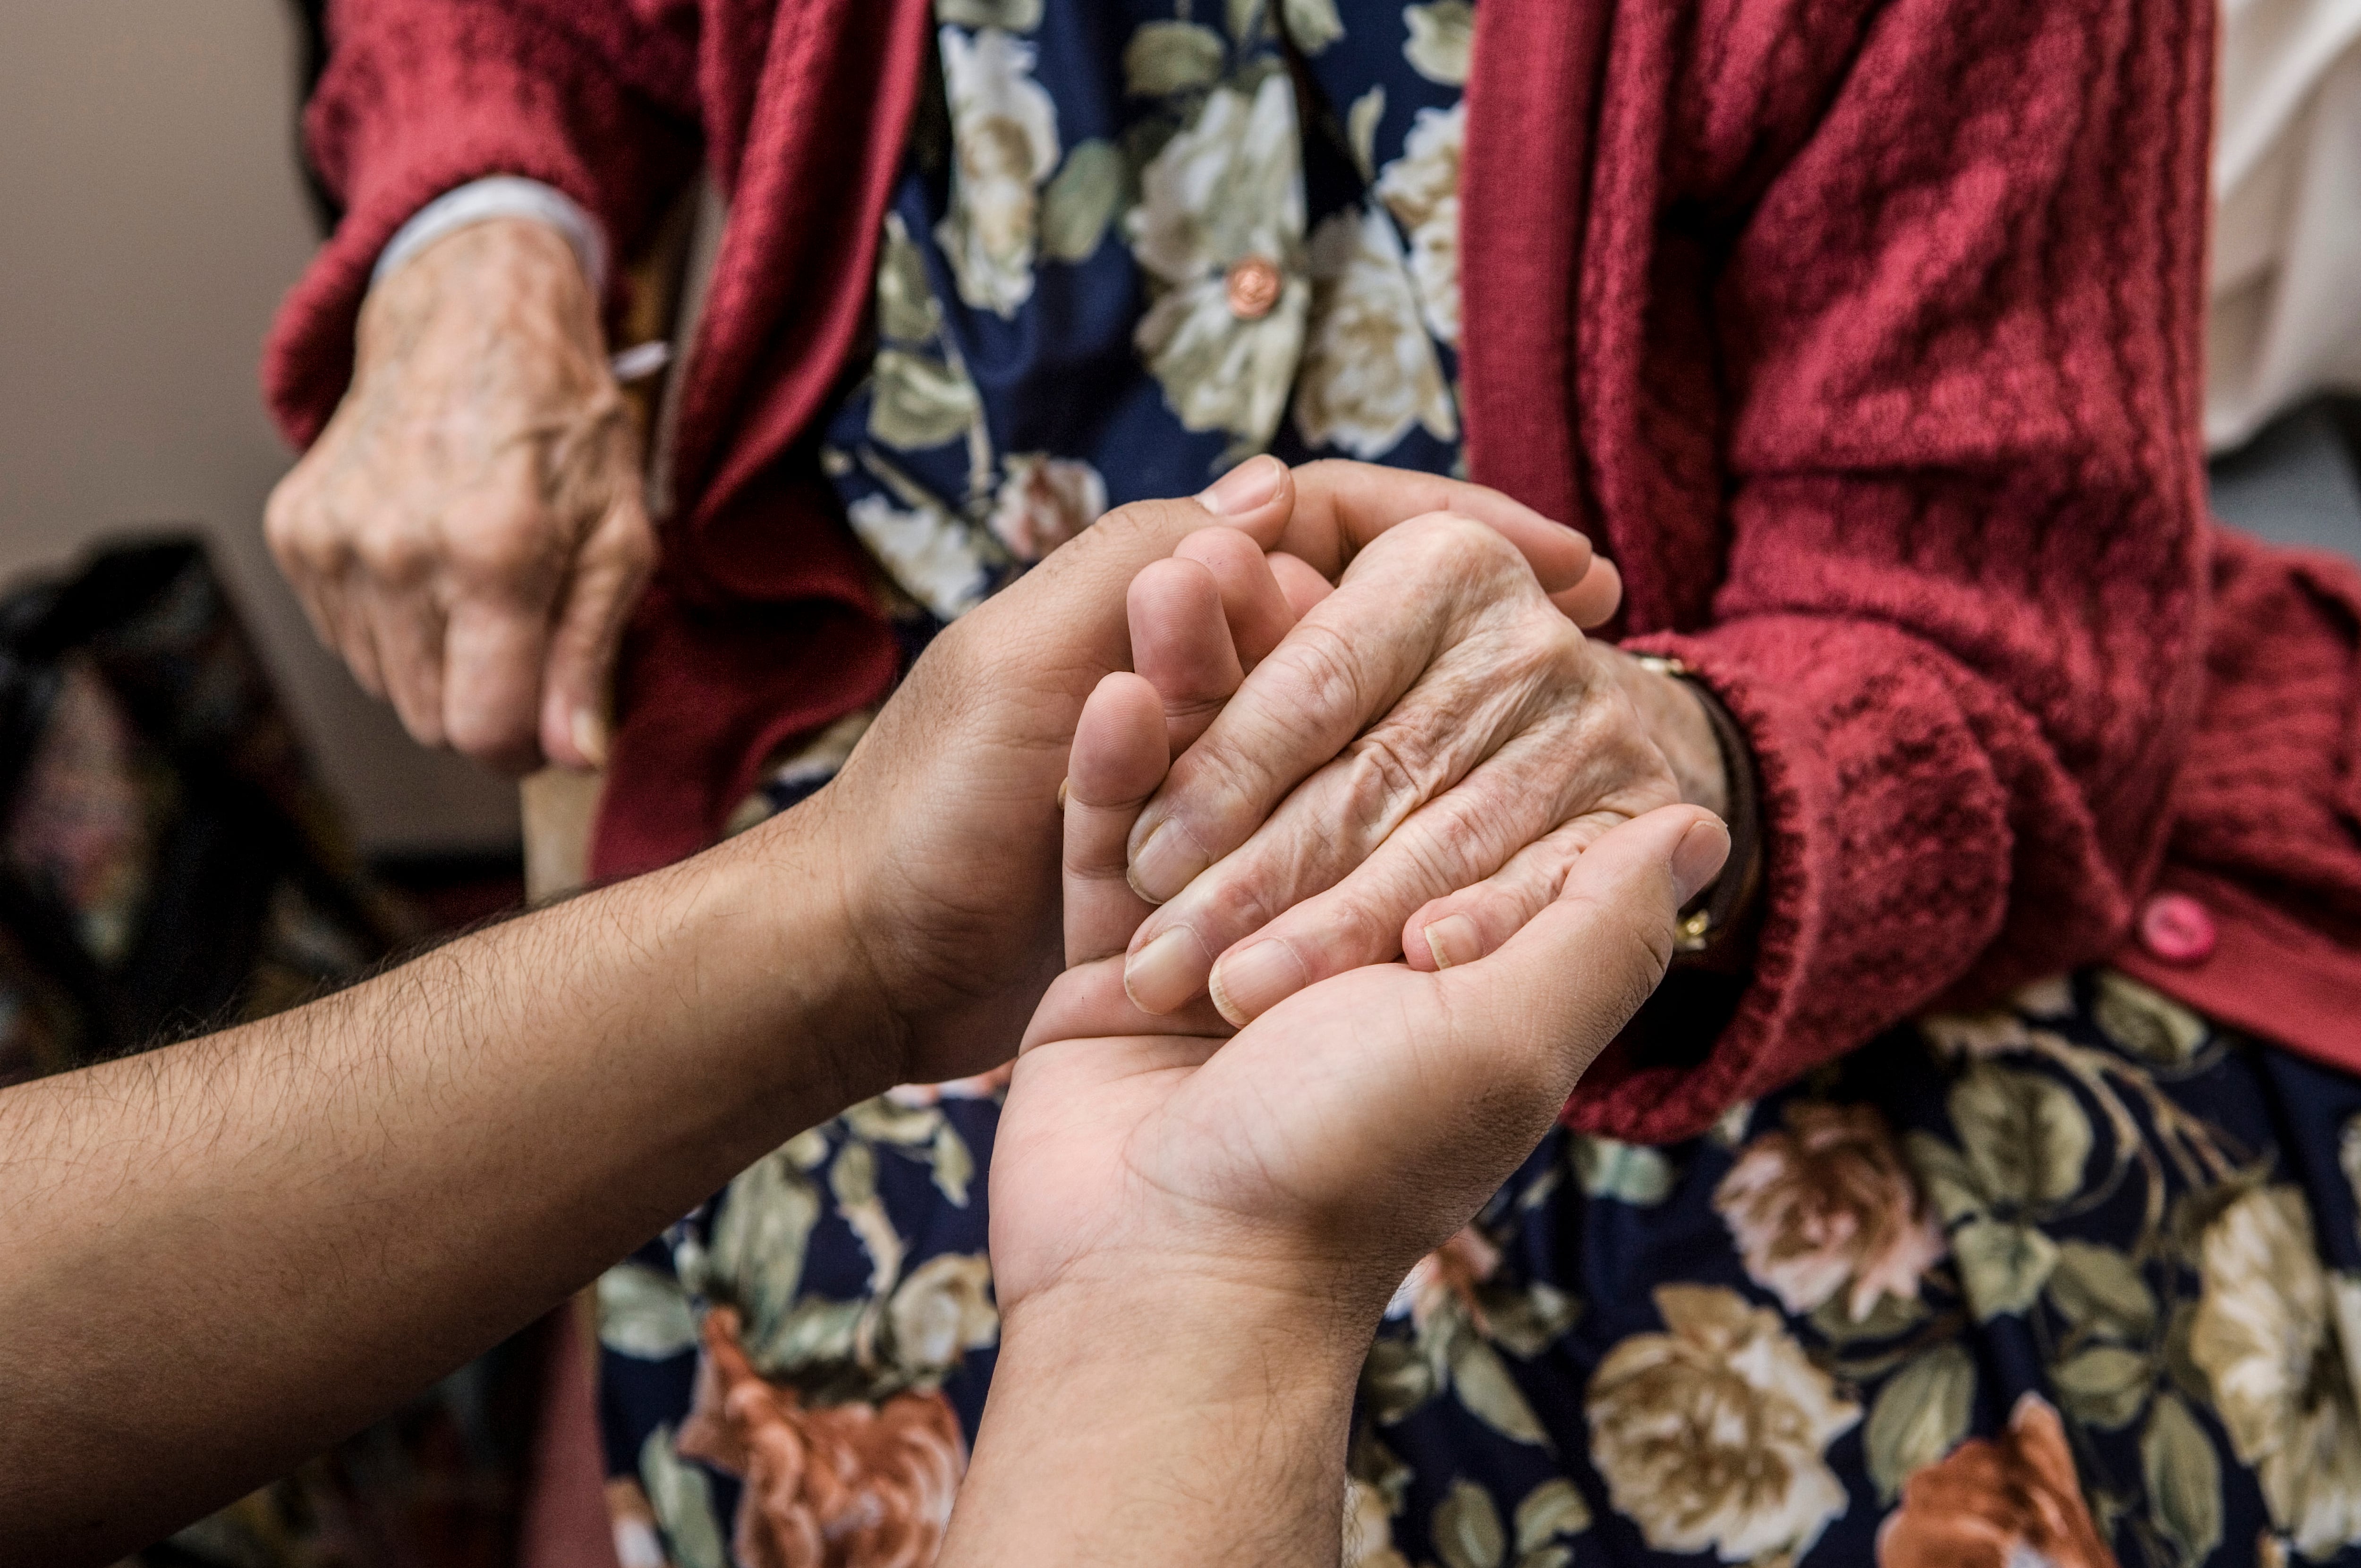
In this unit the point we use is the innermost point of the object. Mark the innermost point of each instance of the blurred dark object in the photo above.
(2299, 481)
(169, 863)
(454, 891)
(312, 59)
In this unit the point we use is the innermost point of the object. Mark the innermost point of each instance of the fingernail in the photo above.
(1453, 940)
(1698, 859)
(590, 736)
(1243, 488)
(1063, 785)
(1167, 861)
(1247, 984)
(1167, 972)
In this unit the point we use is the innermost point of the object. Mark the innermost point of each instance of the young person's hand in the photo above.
(1193, 1235)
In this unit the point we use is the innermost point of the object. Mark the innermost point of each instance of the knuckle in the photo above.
(1465, 539)
(503, 555)
(485, 736)
(1355, 928)
(1238, 903)
(1317, 670)
(395, 555)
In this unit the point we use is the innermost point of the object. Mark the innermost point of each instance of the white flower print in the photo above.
(1442, 35)
(1715, 1433)
(931, 553)
(1370, 370)
(2268, 1334)
(941, 1312)
(1043, 501)
(1004, 129)
(1369, 1528)
(1226, 188)
(1421, 188)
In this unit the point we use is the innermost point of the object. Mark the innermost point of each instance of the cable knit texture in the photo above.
(1865, 335)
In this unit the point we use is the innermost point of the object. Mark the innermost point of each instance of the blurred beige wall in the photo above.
(150, 217)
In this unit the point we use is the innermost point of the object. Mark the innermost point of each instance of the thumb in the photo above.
(608, 572)
(1548, 1002)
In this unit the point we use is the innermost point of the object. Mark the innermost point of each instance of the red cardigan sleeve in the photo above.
(598, 100)
(1954, 347)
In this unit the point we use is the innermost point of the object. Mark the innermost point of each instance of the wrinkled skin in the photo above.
(470, 531)
(1481, 742)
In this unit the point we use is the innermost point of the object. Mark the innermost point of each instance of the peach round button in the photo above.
(2177, 928)
(1253, 287)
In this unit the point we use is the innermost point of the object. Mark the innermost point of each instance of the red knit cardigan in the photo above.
(1863, 333)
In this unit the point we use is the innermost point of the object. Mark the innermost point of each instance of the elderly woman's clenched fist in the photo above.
(469, 533)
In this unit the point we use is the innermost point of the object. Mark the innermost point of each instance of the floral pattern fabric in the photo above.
(2076, 1282)
(1138, 242)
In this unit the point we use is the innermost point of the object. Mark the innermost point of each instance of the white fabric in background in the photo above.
(2285, 321)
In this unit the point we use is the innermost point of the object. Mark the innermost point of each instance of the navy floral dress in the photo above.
(2074, 1282)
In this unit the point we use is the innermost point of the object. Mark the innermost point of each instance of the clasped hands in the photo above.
(1427, 759)
(1245, 1155)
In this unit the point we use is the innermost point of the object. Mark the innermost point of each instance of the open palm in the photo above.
(1342, 1133)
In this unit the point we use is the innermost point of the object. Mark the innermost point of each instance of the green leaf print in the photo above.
(884, 1121)
(1246, 19)
(1164, 57)
(1549, 1510)
(2146, 1023)
(2027, 1137)
(1010, 15)
(1920, 1415)
(1526, 1323)
(1395, 1380)
(817, 1332)
(919, 402)
(1311, 25)
(954, 1166)
(682, 1499)
(1944, 1176)
(2184, 1479)
(644, 1313)
(1361, 129)
(1442, 39)
(1467, 1527)
(1480, 1379)
(906, 310)
(2099, 1291)
(2106, 1385)
(2002, 1267)
(757, 1256)
(1892, 1315)
(1629, 1173)
(1081, 201)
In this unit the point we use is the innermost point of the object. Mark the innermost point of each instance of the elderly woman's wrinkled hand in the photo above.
(469, 533)
(1412, 770)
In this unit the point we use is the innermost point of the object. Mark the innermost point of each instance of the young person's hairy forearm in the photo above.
(1166, 1420)
(223, 1254)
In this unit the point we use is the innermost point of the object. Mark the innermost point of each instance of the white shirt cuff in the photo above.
(500, 196)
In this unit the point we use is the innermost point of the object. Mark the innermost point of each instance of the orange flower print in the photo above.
(1826, 1205)
(1996, 1503)
(853, 1486)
